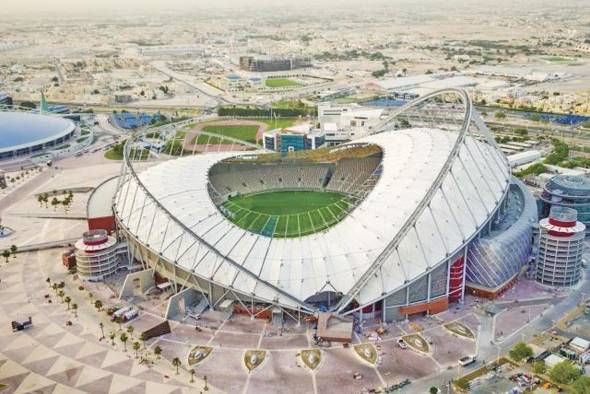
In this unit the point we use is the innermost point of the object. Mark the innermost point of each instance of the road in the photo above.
(488, 350)
(216, 99)
(25, 189)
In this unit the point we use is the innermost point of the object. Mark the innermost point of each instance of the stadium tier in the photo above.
(395, 223)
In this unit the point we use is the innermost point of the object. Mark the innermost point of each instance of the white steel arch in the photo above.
(447, 186)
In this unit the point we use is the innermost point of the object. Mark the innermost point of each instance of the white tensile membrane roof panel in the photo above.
(336, 257)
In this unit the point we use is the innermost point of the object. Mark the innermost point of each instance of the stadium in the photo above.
(23, 133)
(400, 222)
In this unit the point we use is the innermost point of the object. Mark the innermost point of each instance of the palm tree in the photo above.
(98, 304)
(48, 280)
(157, 351)
(6, 255)
(130, 330)
(13, 250)
(206, 388)
(192, 372)
(101, 325)
(112, 337)
(40, 200)
(143, 338)
(136, 347)
(55, 287)
(75, 309)
(177, 363)
(61, 295)
(67, 300)
(124, 339)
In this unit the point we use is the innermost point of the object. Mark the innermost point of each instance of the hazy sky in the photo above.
(34, 7)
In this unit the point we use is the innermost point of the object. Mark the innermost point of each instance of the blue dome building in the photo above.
(23, 133)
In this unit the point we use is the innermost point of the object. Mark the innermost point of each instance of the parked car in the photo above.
(19, 326)
(465, 361)
(402, 344)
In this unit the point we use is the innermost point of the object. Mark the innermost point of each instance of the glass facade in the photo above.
(291, 142)
(568, 191)
(495, 258)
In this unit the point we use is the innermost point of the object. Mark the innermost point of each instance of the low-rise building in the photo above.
(343, 123)
(579, 345)
(296, 138)
(552, 360)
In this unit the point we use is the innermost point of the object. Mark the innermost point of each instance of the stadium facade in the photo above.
(431, 209)
(270, 64)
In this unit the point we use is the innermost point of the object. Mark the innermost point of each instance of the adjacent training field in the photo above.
(287, 213)
(280, 83)
(240, 132)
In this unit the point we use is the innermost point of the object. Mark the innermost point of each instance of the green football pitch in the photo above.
(287, 213)
(280, 83)
(243, 132)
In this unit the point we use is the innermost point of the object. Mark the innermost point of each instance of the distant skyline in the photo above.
(87, 7)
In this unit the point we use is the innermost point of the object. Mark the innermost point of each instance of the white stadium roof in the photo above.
(289, 270)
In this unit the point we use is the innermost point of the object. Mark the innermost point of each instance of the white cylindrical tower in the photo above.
(561, 244)
(97, 255)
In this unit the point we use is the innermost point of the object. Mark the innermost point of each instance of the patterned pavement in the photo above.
(53, 358)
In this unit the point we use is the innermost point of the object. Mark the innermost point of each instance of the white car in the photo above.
(464, 361)
(402, 344)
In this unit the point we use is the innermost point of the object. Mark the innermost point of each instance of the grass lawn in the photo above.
(279, 123)
(286, 213)
(417, 342)
(460, 329)
(206, 139)
(240, 132)
(113, 154)
(280, 83)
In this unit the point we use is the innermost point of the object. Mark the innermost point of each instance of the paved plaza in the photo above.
(52, 357)
(55, 357)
